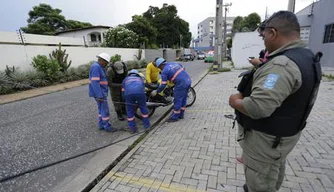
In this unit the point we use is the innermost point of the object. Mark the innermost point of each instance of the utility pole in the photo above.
(266, 15)
(291, 5)
(218, 33)
(225, 28)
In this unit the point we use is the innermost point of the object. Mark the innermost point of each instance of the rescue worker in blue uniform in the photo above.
(133, 88)
(98, 88)
(175, 73)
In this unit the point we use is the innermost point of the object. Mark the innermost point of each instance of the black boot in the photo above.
(119, 115)
(245, 188)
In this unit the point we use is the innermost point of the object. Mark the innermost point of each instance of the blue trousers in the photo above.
(132, 101)
(180, 102)
(103, 114)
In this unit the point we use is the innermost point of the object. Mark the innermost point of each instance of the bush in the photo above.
(115, 58)
(83, 71)
(143, 63)
(5, 86)
(47, 66)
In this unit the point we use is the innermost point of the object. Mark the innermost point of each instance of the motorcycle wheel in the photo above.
(138, 113)
(191, 97)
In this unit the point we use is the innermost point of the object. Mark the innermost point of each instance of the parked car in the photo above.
(209, 58)
(187, 57)
(201, 56)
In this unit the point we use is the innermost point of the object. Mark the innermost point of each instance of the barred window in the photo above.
(329, 33)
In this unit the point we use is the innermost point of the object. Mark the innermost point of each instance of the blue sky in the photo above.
(14, 13)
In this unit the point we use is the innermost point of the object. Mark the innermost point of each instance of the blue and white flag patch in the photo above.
(271, 81)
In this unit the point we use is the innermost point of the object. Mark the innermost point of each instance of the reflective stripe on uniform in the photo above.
(95, 78)
(177, 73)
(183, 108)
(176, 112)
(144, 116)
(164, 82)
(104, 82)
(105, 118)
(131, 119)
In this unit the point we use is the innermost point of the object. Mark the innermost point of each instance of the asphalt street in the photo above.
(52, 127)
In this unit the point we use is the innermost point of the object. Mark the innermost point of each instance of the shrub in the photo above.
(37, 79)
(143, 63)
(115, 58)
(5, 86)
(83, 70)
(48, 67)
(61, 57)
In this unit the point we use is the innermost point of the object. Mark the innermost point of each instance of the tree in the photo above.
(237, 24)
(144, 29)
(43, 19)
(170, 27)
(72, 24)
(252, 21)
(121, 37)
(229, 43)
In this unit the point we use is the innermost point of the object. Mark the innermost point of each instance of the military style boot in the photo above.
(120, 115)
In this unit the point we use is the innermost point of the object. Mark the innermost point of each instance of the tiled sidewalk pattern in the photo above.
(198, 153)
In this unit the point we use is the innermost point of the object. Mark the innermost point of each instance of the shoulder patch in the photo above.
(281, 60)
(271, 81)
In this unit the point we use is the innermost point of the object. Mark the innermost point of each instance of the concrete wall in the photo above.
(15, 38)
(247, 44)
(151, 54)
(21, 56)
(169, 54)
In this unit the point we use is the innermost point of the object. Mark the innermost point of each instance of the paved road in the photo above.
(52, 127)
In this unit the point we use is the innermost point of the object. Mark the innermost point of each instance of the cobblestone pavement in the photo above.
(198, 153)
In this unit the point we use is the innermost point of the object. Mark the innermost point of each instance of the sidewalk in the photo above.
(198, 153)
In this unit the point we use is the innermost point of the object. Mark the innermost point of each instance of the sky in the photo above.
(14, 13)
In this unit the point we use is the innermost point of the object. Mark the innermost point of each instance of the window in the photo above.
(329, 33)
(93, 37)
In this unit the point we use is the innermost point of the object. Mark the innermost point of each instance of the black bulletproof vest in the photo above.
(290, 117)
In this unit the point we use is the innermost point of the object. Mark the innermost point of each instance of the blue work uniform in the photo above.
(133, 88)
(98, 88)
(175, 73)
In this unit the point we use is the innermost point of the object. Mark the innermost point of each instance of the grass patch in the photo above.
(331, 77)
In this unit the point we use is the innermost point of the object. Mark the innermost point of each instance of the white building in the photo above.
(206, 32)
(92, 36)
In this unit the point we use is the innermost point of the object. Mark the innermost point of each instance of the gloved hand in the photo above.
(154, 93)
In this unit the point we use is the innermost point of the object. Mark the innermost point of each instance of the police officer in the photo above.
(175, 73)
(116, 73)
(133, 88)
(272, 107)
(98, 88)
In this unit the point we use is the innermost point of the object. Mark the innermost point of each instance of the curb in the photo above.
(19, 96)
(155, 127)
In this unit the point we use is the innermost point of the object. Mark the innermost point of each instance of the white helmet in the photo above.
(104, 56)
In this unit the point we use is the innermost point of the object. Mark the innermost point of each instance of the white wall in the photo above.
(21, 56)
(15, 38)
(246, 44)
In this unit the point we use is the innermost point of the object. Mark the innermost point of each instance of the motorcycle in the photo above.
(154, 102)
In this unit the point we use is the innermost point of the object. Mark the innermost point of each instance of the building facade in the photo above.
(317, 29)
(206, 33)
(93, 36)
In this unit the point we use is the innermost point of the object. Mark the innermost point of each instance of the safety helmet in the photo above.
(160, 61)
(134, 71)
(104, 56)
